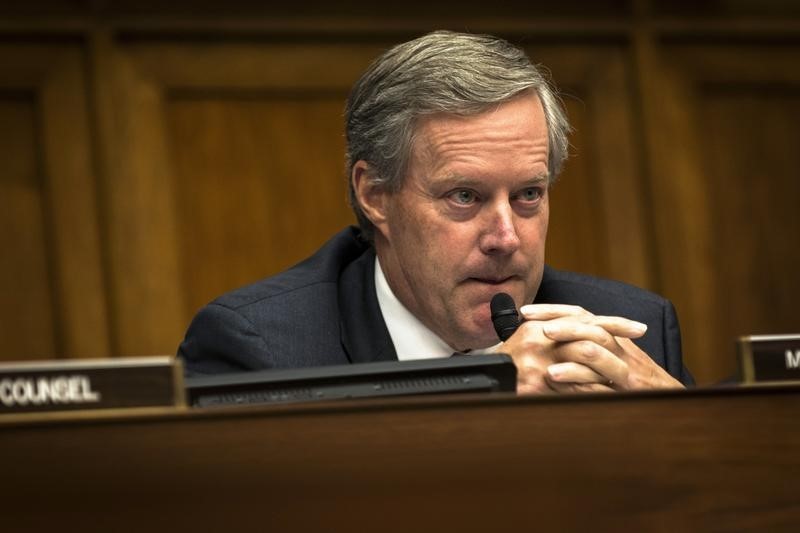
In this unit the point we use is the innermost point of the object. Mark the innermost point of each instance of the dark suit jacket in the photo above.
(324, 311)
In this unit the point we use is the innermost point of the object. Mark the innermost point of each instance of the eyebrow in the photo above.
(544, 177)
(464, 181)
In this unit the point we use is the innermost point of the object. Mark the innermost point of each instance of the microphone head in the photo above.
(505, 318)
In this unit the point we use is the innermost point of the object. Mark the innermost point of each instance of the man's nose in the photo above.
(499, 236)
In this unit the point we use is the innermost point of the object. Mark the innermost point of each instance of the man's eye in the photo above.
(531, 194)
(463, 197)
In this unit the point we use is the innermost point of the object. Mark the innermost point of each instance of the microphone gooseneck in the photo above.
(504, 315)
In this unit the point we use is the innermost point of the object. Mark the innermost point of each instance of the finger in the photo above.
(616, 325)
(595, 348)
(567, 330)
(579, 387)
(599, 359)
(524, 389)
(575, 373)
(621, 327)
(551, 311)
(643, 372)
(570, 329)
(529, 375)
(577, 342)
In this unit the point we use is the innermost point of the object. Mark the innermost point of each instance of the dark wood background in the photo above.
(157, 154)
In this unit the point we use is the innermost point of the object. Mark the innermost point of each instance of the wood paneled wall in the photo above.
(51, 274)
(154, 157)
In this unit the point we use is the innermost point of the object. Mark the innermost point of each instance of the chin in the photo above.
(475, 330)
(485, 337)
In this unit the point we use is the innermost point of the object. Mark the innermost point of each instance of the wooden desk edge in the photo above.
(406, 403)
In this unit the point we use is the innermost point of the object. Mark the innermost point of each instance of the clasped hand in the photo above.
(564, 348)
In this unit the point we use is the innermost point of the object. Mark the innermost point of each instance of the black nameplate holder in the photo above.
(769, 358)
(91, 384)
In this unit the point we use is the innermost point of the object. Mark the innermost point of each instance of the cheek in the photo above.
(534, 232)
(421, 241)
(442, 256)
(545, 223)
(430, 236)
(544, 219)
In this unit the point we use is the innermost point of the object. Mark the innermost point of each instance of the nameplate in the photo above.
(770, 358)
(91, 384)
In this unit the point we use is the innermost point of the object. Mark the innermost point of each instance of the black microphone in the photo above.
(504, 315)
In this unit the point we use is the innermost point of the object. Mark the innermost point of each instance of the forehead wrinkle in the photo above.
(442, 141)
(453, 141)
(476, 151)
(472, 134)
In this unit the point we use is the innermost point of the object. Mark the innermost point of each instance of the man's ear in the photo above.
(371, 196)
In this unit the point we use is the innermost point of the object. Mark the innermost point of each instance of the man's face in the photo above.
(470, 220)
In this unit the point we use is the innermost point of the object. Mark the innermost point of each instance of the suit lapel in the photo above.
(364, 335)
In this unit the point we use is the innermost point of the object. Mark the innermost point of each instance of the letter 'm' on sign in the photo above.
(792, 359)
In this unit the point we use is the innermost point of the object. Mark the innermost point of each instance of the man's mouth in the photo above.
(492, 280)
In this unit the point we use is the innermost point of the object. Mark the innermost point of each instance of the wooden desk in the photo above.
(703, 460)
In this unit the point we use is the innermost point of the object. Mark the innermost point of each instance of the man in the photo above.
(453, 142)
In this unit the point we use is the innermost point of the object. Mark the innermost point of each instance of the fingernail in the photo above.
(526, 309)
(639, 326)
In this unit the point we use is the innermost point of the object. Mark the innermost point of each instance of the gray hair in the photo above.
(441, 72)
